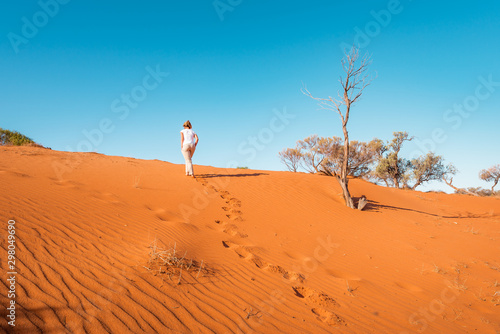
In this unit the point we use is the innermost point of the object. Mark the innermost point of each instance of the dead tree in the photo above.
(353, 84)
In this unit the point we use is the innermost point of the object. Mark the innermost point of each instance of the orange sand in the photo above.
(281, 251)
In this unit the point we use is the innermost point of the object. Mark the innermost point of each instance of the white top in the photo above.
(188, 136)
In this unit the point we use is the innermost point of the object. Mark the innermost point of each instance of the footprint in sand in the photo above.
(242, 252)
(342, 275)
(328, 317)
(287, 274)
(234, 217)
(233, 211)
(314, 297)
(205, 183)
(66, 183)
(321, 304)
(232, 230)
(234, 202)
(234, 214)
(106, 198)
(162, 214)
(248, 255)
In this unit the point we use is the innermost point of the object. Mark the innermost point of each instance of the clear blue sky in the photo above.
(73, 66)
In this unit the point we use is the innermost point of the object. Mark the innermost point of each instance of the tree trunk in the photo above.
(396, 183)
(345, 191)
(353, 85)
(343, 174)
(456, 188)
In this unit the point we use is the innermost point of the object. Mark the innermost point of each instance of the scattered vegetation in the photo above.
(372, 160)
(325, 155)
(397, 171)
(438, 270)
(170, 262)
(349, 289)
(342, 158)
(477, 191)
(392, 169)
(251, 313)
(491, 174)
(292, 158)
(15, 138)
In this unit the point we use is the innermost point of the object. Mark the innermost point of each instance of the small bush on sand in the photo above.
(15, 138)
(171, 263)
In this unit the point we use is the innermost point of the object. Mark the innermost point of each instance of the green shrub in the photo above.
(14, 138)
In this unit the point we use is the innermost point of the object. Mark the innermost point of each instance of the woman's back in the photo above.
(188, 136)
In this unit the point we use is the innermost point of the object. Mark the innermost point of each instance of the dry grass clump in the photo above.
(171, 263)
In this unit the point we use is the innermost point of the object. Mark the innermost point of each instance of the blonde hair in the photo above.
(187, 124)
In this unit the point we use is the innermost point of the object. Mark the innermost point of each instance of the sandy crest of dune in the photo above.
(280, 252)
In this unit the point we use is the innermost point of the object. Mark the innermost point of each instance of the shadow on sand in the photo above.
(375, 206)
(207, 176)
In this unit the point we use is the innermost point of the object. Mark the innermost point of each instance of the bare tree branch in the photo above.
(353, 84)
(450, 183)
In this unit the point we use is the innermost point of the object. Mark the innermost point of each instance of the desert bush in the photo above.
(325, 155)
(491, 174)
(392, 169)
(478, 191)
(397, 171)
(362, 156)
(15, 138)
(314, 151)
(170, 262)
(429, 168)
(291, 157)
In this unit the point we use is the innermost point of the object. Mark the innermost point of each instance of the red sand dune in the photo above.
(281, 253)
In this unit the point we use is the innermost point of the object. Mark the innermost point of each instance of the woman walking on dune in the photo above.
(189, 140)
